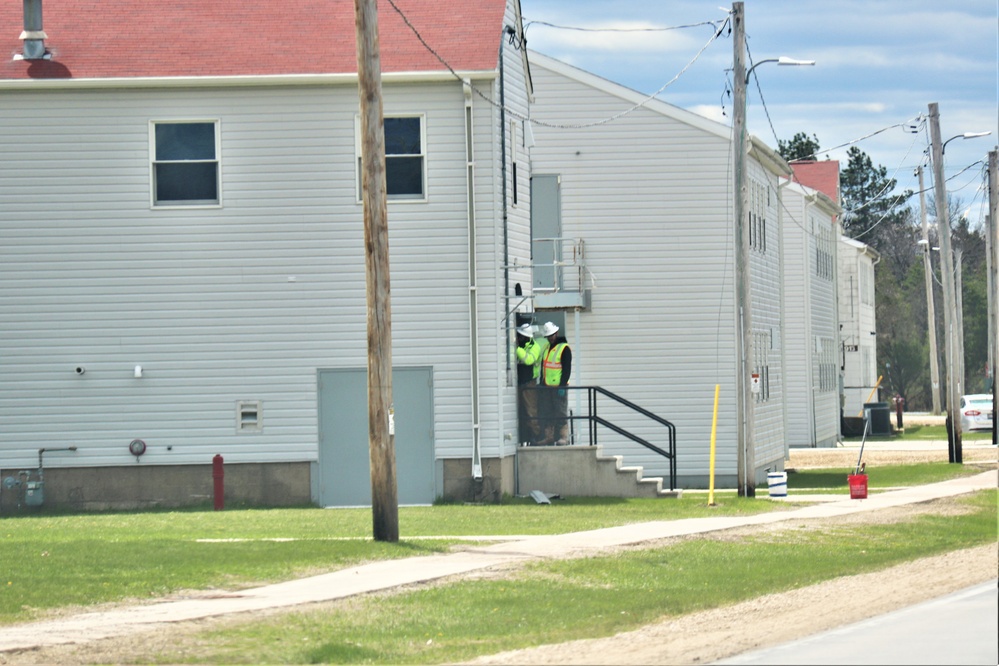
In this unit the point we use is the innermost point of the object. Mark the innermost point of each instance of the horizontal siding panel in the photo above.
(241, 302)
(651, 195)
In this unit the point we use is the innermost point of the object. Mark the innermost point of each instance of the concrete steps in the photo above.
(583, 471)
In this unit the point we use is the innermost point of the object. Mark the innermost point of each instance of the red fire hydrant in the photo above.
(217, 475)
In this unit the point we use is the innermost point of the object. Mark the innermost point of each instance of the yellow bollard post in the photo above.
(711, 460)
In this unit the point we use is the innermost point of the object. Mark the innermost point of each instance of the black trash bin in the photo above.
(879, 414)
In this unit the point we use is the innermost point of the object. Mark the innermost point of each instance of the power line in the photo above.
(713, 24)
(641, 104)
(522, 44)
(759, 89)
(877, 197)
(915, 123)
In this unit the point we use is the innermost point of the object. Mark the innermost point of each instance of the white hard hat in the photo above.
(526, 330)
(549, 329)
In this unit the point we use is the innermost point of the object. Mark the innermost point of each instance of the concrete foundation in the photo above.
(162, 486)
(581, 471)
(497, 480)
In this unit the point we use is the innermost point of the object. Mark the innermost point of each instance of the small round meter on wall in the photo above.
(136, 447)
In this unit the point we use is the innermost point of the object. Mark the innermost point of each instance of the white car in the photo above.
(976, 412)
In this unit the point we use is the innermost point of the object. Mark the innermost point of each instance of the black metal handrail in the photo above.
(593, 418)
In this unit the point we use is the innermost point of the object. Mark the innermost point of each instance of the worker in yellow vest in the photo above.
(555, 371)
(530, 354)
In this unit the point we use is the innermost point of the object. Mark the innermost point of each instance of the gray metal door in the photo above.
(546, 228)
(344, 460)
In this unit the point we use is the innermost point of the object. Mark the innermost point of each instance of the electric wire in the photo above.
(759, 89)
(649, 98)
(713, 24)
(917, 120)
(718, 27)
(520, 44)
(888, 184)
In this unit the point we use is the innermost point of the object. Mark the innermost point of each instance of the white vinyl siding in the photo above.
(651, 195)
(236, 304)
(811, 320)
(857, 318)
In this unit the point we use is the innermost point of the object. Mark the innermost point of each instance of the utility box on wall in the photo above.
(34, 493)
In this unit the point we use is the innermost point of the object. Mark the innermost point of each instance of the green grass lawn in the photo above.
(50, 562)
(556, 601)
(889, 476)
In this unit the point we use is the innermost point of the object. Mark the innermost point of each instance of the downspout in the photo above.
(506, 230)
(473, 296)
(807, 202)
(781, 184)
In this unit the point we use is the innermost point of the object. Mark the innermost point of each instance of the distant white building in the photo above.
(858, 328)
(811, 320)
(650, 197)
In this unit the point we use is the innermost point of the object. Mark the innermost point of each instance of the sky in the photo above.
(879, 64)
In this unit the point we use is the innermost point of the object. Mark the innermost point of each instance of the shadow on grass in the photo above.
(827, 478)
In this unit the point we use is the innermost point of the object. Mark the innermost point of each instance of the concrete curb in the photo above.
(394, 573)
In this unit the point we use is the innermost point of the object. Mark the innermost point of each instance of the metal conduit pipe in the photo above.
(473, 299)
(33, 35)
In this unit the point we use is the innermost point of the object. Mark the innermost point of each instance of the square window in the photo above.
(405, 175)
(185, 165)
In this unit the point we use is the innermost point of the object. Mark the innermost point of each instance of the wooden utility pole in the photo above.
(384, 493)
(992, 246)
(947, 271)
(931, 312)
(746, 455)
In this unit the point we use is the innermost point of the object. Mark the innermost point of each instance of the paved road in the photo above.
(959, 628)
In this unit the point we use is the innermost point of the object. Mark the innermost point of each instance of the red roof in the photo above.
(822, 176)
(154, 38)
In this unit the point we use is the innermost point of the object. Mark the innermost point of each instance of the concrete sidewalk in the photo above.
(394, 573)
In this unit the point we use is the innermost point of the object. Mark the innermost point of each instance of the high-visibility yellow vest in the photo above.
(533, 353)
(553, 365)
(542, 348)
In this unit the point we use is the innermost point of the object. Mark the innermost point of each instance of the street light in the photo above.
(966, 135)
(782, 61)
(746, 453)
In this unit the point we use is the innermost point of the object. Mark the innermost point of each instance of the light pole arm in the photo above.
(966, 135)
(782, 61)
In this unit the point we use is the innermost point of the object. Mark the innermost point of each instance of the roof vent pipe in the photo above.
(33, 35)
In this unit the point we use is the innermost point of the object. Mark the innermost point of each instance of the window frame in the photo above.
(424, 161)
(759, 204)
(824, 248)
(154, 203)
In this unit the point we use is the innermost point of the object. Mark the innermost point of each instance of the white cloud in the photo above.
(878, 63)
(711, 112)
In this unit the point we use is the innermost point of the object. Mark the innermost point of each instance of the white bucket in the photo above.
(777, 484)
